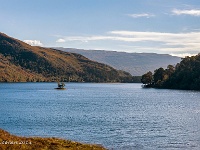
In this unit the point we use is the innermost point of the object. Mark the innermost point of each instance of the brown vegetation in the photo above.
(12, 73)
(12, 142)
(21, 62)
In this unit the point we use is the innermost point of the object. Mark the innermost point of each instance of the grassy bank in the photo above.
(12, 142)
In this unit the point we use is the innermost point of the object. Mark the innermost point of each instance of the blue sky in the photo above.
(158, 26)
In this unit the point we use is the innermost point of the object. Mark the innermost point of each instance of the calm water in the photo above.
(118, 116)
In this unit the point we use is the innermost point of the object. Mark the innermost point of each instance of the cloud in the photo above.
(60, 41)
(84, 39)
(33, 42)
(192, 12)
(170, 38)
(183, 55)
(161, 42)
(141, 15)
(171, 42)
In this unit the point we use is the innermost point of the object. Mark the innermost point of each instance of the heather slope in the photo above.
(12, 142)
(45, 64)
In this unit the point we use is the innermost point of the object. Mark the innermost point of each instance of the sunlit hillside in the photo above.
(22, 62)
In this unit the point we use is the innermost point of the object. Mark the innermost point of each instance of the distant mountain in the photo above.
(135, 63)
(20, 62)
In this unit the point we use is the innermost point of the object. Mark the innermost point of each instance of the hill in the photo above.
(12, 142)
(20, 62)
(135, 63)
(185, 75)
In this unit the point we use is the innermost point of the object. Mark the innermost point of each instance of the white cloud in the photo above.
(87, 38)
(60, 41)
(171, 42)
(192, 12)
(33, 42)
(189, 38)
(141, 15)
(183, 55)
(180, 43)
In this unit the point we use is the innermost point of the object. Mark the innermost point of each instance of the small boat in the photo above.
(61, 86)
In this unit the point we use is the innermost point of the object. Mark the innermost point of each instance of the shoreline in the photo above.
(13, 142)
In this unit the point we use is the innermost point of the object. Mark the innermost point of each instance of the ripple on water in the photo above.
(118, 116)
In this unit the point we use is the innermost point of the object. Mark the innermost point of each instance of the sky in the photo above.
(142, 26)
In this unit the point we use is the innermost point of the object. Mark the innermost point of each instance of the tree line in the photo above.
(184, 75)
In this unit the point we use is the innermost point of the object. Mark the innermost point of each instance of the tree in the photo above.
(170, 70)
(159, 76)
(147, 78)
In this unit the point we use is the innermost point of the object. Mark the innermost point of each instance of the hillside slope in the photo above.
(135, 63)
(22, 62)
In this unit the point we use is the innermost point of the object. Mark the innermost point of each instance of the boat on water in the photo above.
(61, 86)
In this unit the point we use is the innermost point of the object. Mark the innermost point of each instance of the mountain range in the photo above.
(135, 63)
(20, 62)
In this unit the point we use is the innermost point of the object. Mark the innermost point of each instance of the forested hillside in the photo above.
(20, 62)
(185, 75)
